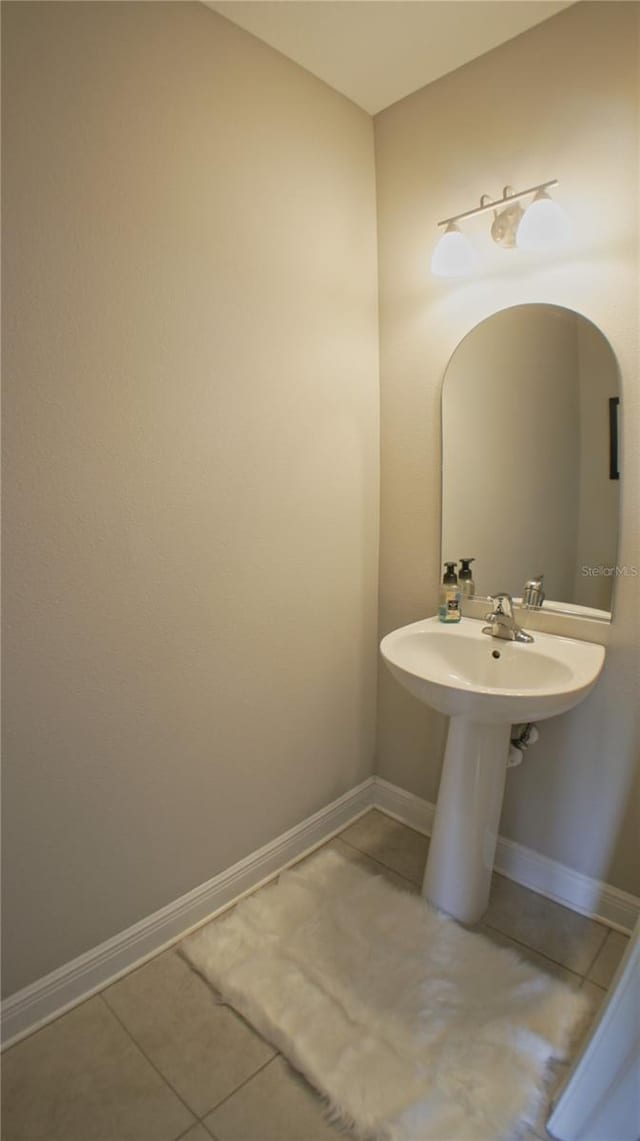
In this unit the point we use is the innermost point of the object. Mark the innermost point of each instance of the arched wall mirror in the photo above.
(530, 478)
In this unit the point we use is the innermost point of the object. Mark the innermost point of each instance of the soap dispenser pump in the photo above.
(467, 585)
(449, 608)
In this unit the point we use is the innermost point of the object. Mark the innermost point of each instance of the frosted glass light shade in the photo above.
(544, 224)
(453, 255)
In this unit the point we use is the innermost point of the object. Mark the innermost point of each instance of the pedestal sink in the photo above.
(485, 685)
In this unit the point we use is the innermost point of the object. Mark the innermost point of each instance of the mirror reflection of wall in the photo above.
(526, 451)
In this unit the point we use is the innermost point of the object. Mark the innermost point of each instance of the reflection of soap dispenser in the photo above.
(449, 609)
(533, 594)
(467, 585)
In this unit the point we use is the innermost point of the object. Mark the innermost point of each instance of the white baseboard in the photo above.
(581, 893)
(548, 877)
(403, 805)
(48, 997)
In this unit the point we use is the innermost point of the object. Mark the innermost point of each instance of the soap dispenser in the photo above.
(449, 608)
(467, 585)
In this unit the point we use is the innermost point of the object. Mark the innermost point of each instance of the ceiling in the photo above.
(377, 51)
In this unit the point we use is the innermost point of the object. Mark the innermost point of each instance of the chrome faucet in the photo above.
(502, 623)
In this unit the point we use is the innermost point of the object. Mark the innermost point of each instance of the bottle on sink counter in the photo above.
(449, 608)
(466, 583)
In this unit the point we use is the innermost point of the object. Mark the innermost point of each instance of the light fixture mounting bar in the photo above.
(500, 202)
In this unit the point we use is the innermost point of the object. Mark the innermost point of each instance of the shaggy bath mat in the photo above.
(412, 1028)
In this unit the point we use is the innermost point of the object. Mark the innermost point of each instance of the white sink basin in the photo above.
(485, 685)
(458, 670)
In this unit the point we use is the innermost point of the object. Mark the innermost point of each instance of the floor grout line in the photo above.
(216, 1105)
(528, 947)
(187, 1131)
(389, 816)
(199, 1119)
(148, 1059)
(604, 989)
(242, 1084)
(593, 961)
(398, 820)
(381, 863)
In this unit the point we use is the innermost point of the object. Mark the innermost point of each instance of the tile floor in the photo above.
(157, 1057)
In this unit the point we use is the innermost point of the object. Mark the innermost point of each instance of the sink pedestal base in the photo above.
(457, 878)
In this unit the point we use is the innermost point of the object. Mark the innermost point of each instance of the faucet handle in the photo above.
(502, 622)
(496, 612)
(499, 600)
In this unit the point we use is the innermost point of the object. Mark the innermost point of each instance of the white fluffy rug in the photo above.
(411, 1027)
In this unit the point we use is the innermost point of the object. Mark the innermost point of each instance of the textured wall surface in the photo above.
(191, 427)
(560, 102)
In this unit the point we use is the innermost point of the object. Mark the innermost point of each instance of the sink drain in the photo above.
(495, 653)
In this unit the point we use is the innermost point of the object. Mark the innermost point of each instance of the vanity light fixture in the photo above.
(454, 256)
(544, 224)
(541, 224)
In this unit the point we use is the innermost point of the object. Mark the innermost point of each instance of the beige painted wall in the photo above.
(191, 426)
(560, 102)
